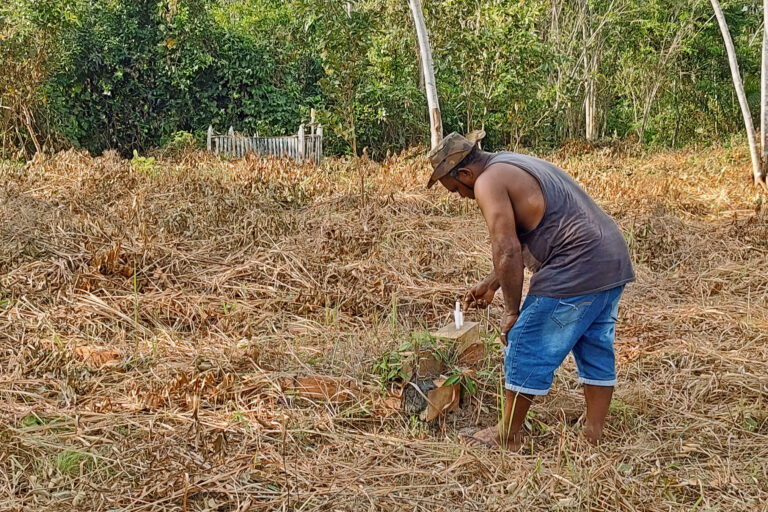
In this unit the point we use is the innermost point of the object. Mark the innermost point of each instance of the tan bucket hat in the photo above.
(450, 152)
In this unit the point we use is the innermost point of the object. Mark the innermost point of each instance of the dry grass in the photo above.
(146, 311)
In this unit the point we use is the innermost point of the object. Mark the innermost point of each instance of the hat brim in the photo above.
(475, 136)
(447, 165)
(442, 170)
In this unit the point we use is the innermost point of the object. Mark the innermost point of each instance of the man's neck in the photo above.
(484, 157)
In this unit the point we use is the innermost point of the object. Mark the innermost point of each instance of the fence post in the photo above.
(210, 135)
(300, 144)
(319, 153)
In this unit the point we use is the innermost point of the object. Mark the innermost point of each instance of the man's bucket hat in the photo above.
(450, 152)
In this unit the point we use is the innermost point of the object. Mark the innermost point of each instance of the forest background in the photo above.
(106, 74)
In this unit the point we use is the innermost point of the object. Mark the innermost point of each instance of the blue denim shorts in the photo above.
(549, 328)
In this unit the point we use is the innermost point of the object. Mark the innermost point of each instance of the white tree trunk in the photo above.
(590, 96)
(435, 120)
(590, 110)
(764, 100)
(737, 84)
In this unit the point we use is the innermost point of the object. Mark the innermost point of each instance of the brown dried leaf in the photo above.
(97, 356)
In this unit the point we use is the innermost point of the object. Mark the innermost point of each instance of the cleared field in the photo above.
(148, 310)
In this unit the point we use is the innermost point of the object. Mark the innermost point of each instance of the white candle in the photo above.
(458, 316)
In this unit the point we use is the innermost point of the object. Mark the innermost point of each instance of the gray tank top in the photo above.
(576, 249)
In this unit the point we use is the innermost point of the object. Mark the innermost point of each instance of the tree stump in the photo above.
(467, 344)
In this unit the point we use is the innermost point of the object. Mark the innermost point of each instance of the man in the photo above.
(539, 217)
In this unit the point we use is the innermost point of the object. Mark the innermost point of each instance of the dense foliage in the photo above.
(129, 75)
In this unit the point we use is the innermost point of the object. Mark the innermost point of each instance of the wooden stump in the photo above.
(466, 341)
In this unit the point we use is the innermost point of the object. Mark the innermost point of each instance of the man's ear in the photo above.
(465, 175)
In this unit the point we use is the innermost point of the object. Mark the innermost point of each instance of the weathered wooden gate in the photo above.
(305, 145)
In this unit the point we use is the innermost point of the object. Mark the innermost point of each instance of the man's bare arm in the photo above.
(494, 202)
(492, 281)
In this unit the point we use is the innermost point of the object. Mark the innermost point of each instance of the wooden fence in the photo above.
(305, 145)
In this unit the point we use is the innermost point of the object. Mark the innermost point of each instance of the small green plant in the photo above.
(622, 410)
(229, 307)
(750, 423)
(533, 423)
(56, 337)
(178, 141)
(68, 462)
(416, 427)
(31, 420)
(489, 340)
(52, 423)
(468, 384)
(419, 339)
(144, 165)
(239, 418)
(389, 367)
(331, 315)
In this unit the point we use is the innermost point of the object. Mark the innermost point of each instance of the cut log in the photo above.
(467, 344)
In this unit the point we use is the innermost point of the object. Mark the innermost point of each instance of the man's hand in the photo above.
(506, 325)
(479, 296)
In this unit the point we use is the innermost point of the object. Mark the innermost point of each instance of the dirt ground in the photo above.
(150, 311)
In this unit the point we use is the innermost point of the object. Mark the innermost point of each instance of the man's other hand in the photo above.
(506, 325)
(479, 296)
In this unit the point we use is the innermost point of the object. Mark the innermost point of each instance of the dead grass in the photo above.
(148, 310)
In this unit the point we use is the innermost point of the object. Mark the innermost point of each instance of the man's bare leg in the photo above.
(508, 433)
(598, 400)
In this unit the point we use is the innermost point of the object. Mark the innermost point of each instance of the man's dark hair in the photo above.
(468, 159)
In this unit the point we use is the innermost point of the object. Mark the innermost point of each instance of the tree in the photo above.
(29, 53)
(593, 41)
(757, 165)
(435, 119)
(342, 33)
(764, 96)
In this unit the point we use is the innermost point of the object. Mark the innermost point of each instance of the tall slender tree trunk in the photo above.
(677, 114)
(739, 86)
(590, 108)
(764, 101)
(435, 119)
(590, 70)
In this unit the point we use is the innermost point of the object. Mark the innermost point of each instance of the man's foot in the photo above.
(489, 438)
(593, 433)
